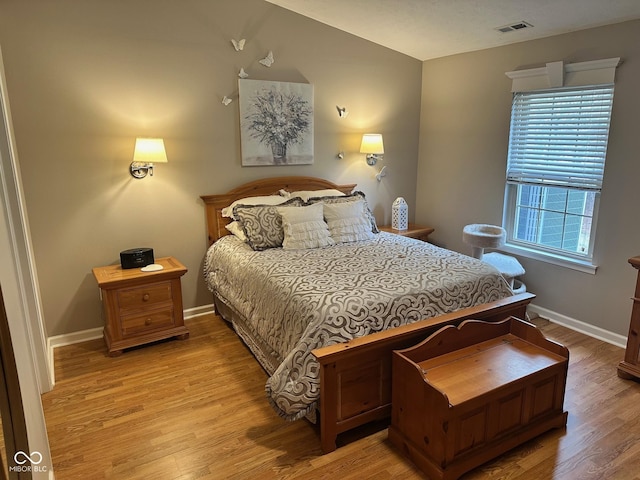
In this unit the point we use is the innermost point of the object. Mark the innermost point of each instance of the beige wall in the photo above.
(86, 77)
(466, 104)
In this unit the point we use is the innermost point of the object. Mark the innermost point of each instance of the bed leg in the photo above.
(328, 406)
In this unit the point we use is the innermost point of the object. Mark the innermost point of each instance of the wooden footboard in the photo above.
(355, 376)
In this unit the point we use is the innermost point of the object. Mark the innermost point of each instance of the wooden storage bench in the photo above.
(468, 394)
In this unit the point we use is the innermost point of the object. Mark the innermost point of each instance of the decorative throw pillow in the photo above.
(353, 197)
(304, 227)
(348, 221)
(236, 229)
(262, 224)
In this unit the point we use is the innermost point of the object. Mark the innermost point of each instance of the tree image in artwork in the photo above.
(279, 117)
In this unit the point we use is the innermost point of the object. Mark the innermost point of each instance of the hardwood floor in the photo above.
(197, 409)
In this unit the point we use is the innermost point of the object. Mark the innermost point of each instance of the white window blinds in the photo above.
(559, 137)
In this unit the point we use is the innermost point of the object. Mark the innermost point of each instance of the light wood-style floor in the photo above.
(197, 409)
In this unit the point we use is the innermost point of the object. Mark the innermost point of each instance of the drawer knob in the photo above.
(145, 297)
(147, 321)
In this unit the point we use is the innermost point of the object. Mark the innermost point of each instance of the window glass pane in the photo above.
(555, 218)
(572, 229)
(552, 229)
(556, 199)
(529, 195)
(576, 201)
(585, 233)
(527, 227)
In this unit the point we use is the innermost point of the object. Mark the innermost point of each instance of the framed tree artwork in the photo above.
(276, 122)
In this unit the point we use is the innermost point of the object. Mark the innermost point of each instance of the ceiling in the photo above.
(427, 29)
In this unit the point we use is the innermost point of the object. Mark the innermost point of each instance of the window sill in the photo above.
(567, 262)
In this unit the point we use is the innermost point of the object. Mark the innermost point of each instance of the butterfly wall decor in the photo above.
(238, 44)
(226, 100)
(268, 60)
(242, 73)
(342, 111)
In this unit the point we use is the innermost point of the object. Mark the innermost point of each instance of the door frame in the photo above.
(18, 278)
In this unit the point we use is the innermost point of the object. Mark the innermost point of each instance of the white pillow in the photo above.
(260, 200)
(236, 229)
(304, 227)
(307, 194)
(348, 221)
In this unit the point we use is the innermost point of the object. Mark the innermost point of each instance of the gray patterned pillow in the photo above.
(353, 197)
(262, 224)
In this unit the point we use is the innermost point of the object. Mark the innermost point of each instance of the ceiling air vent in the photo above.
(513, 27)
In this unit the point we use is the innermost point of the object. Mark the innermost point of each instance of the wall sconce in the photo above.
(372, 146)
(147, 152)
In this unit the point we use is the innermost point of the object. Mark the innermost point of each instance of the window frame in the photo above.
(512, 245)
(537, 250)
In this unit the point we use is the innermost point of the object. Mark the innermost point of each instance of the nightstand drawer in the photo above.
(136, 324)
(144, 296)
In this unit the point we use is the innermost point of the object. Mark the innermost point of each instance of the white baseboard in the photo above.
(93, 333)
(68, 339)
(75, 337)
(578, 326)
(199, 311)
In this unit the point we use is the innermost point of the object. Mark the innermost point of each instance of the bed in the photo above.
(324, 321)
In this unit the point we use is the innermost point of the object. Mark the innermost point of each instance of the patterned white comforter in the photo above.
(293, 301)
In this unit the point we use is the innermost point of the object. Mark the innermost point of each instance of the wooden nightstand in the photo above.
(414, 231)
(141, 307)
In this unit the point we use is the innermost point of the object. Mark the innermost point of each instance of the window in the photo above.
(557, 150)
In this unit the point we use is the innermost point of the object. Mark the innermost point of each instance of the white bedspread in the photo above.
(293, 301)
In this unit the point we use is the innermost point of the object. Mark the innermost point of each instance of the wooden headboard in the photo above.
(266, 186)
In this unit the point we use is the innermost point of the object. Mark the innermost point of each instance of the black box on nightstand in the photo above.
(136, 257)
